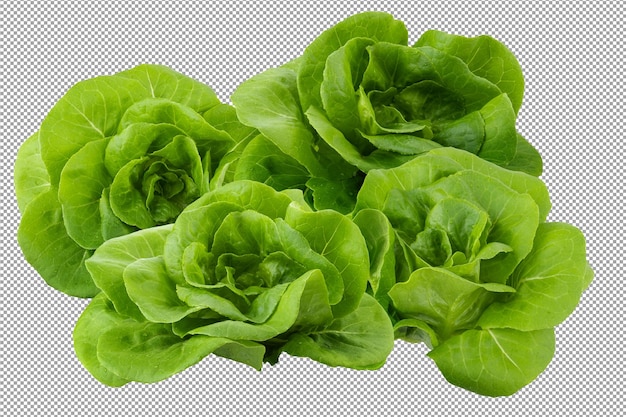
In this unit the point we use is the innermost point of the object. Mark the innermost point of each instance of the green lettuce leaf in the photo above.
(495, 362)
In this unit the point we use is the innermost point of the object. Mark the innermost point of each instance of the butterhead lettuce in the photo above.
(244, 272)
(367, 191)
(466, 263)
(116, 154)
(361, 98)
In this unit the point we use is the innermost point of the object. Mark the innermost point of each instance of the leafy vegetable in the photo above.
(360, 98)
(116, 154)
(366, 191)
(245, 272)
(471, 269)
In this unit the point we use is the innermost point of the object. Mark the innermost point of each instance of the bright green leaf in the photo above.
(494, 362)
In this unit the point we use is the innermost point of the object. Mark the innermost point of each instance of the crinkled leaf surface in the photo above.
(378, 26)
(339, 240)
(484, 56)
(283, 318)
(417, 198)
(437, 163)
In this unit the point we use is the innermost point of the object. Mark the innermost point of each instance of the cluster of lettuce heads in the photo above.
(366, 191)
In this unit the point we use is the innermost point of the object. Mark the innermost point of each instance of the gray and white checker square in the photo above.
(572, 56)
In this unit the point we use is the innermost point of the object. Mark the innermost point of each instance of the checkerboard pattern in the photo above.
(572, 55)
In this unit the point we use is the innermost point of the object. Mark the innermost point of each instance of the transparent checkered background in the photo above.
(572, 54)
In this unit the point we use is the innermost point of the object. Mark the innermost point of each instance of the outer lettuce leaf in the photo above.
(117, 350)
(108, 264)
(495, 362)
(484, 56)
(340, 241)
(263, 161)
(30, 175)
(281, 120)
(47, 247)
(97, 318)
(348, 341)
(278, 115)
(380, 239)
(448, 303)
(527, 158)
(131, 351)
(548, 282)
